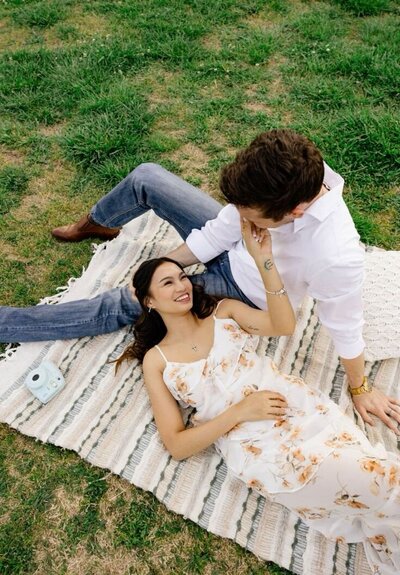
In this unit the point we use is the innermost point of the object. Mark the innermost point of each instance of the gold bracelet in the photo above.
(363, 388)
(279, 292)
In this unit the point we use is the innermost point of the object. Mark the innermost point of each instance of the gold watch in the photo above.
(363, 388)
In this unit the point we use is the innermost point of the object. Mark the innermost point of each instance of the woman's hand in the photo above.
(262, 405)
(257, 240)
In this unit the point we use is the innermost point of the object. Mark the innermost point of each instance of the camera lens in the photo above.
(35, 377)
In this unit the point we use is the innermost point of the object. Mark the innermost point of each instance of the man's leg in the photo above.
(104, 313)
(149, 186)
(218, 280)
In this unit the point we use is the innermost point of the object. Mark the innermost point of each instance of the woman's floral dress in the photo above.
(316, 461)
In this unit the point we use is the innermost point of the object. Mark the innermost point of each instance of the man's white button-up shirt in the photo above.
(318, 254)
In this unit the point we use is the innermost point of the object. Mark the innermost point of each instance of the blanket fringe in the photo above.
(96, 248)
(9, 352)
(62, 290)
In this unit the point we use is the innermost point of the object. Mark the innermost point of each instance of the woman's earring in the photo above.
(149, 309)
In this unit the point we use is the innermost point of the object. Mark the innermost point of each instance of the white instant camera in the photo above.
(45, 381)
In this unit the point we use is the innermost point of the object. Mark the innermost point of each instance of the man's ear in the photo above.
(299, 210)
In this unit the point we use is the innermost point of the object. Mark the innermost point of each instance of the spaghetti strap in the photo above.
(161, 353)
(217, 306)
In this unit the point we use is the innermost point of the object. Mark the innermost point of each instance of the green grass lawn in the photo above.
(91, 89)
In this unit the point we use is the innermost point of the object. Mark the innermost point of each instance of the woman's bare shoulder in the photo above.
(153, 360)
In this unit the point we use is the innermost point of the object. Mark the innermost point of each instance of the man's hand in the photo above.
(258, 242)
(377, 403)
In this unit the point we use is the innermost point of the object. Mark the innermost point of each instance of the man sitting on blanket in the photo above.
(279, 182)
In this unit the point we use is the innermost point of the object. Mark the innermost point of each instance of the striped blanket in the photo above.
(107, 420)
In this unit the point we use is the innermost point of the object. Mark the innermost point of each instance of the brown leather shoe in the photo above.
(85, 228)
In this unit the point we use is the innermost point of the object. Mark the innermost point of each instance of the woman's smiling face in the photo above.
(170, 289)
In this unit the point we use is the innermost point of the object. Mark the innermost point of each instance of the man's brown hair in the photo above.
(278, 171)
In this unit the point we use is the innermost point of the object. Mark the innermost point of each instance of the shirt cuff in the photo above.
(350, 350)
(200, 247)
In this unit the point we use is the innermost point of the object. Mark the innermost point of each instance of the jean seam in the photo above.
(94, 320)
(122, 213)
(163, 215)
(175, 226)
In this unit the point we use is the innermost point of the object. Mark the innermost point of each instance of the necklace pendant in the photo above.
(194, 348)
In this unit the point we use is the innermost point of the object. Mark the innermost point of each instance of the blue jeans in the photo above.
(147, 187)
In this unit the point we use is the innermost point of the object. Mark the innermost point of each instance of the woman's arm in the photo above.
(181, 442)
(279, 318)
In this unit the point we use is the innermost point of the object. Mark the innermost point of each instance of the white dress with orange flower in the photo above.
(316, 462)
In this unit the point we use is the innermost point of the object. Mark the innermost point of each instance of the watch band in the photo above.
(363, 388)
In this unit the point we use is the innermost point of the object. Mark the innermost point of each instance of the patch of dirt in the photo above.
(119, 560)
(87, 22)
(5, 518)
(274, 89)
(12, 37)
(160, 81)
(111, 515)
(264, 22)
(10, 157)
(252, 91)
(191, 156)
(258, 107)
(65, 505)
(50, 131)
(163, 126)
(388, 223)
(217, 139)
(193, 162)
(213, 91)
(10, 253)
(87, 26)
(43, 189)
(212, 42)
(164, 100)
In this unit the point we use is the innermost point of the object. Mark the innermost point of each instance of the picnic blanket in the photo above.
(108, 421)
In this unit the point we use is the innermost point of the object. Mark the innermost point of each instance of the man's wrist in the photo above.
(360, 389)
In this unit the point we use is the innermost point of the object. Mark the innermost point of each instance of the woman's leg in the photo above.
(355, 497)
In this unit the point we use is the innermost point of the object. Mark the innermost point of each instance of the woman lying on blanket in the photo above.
(285, 440)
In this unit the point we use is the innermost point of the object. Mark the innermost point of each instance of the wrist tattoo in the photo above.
(253, 328)
(268, 264)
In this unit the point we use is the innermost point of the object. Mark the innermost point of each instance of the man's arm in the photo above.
(183, 255)
(375, 401)
(338, 290)
(216, 236)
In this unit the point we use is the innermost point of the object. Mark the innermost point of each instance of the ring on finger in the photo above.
(390, 412)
